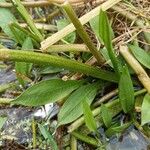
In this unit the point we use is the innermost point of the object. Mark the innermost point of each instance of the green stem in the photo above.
(16, 25)
(27, 18)
(73, 143)
(56, 61)
(96, 111)
(34, 133)
(67, 48)
(85, 138)
(82, 33)
(5, 101)
(4, 87)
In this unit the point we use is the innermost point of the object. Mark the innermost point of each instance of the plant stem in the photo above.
(56, 61)
(85, 138)
(73, 143)
(105, 98)
(34, 133)
(16, 25)
(70, 28)
(5, 101)
(82, 33)
(141, 73)
(96, 111)
(27, 18)
(41, 26)
(67, 48)
(4, 87)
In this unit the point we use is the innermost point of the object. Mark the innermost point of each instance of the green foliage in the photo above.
(117, 129)
(105, 33)
(126, 91)
(46, 92)
(145, 111)
(6, 17)
(23, 69)
(106, 115)
(88, 116)
(2, 121)
(72, 108)
(46, 134)
(141, 55)
(70, 38)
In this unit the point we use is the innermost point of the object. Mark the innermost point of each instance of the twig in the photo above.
(70, 28)
(141, 73)
(105, 98)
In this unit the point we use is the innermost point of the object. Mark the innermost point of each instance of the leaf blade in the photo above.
(142, 56)
(46, 91)
(106, 116)
(126, 91)
(88, 116)
(145, 112)
(72, 108)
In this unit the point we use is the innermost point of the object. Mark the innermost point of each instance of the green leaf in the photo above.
(46, 134)
(88, 116)
(145, 111)
(72, 108)
(105, 33)
(70, 38)
(6, 17)
(94, 23)
(141, 55)
(47, 91)
(23, 69)
(106, 115)
(126, 91)
(117, 129)
(2, 121)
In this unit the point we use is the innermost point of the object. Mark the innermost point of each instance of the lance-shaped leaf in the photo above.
(106, 115)
(72, 108)
(46, 92)
(145, 112)
(106, 35)
(126, 91)
(88, 116)
(142, 56)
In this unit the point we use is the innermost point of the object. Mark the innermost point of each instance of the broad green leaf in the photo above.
(70, 38)
(105, 33)
(145, 111)
(47, 91)
(46, 134)
(117, 129)
(2, 121)
(6, 17)
(142, 56)
(126, 91)
(72, 108)
(23, 69)
(106, 115)
(88, 117)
